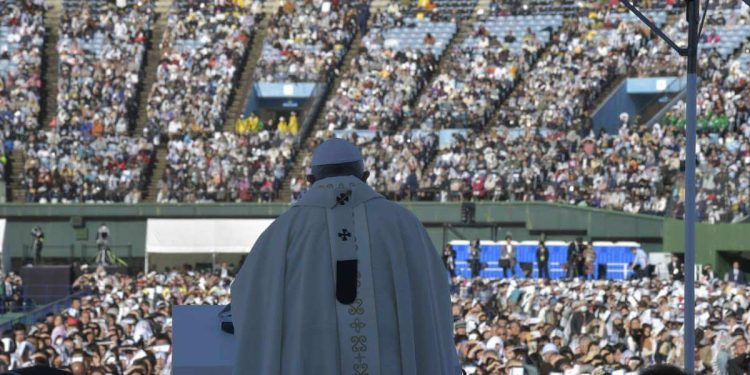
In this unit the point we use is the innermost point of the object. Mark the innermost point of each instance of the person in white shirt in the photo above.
(639, 264)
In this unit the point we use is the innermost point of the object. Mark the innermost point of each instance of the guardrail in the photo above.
(83, 255)
(556, 269)
(40, 312)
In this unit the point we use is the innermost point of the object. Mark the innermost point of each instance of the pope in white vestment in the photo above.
(344, 282)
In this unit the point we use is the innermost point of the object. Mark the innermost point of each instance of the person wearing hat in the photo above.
(336, 281)
(549, 355)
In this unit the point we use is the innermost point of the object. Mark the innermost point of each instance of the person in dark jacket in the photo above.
(474, 259)
(676, 269)
(363, 14)
(736, 275)
(741, 359)
(575, 258)
(542, 260)
(449, 259)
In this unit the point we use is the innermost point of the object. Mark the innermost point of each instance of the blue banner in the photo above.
(285, 90)
(655, 85)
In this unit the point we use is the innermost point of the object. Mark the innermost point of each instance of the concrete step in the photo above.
(153, 55)
(157, 173)
(50, 62)
(15, 193)
(245, 73)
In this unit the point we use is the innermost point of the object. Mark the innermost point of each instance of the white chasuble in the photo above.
(343, 242)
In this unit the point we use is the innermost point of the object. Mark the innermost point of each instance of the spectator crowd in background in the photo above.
(123, 324)
(305, 41)
(120, 324)
(21, 42)
(86, 155)
(520, 103)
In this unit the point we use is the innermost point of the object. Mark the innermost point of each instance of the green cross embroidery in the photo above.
(357, 325)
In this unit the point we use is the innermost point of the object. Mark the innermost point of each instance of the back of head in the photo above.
(37, 370)
(663, 370)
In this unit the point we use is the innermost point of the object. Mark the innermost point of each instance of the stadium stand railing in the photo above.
(36, 313)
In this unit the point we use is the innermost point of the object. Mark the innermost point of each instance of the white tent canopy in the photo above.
(181, 236)
(202, 236)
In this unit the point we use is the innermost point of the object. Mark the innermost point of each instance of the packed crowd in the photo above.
(382, 81)
(723, 145)
(21, 41)
(554, 156)
(572, 7)
(627, 171)
(537, 144)
(597, 327)
(584, 57)
(723, 111)
(102, 50)
(86, 154)
(226, 167)
(305, 41)
(202, 49)
(480, 73)
(122, 325)
(79, 167)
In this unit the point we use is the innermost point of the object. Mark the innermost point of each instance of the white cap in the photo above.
(335, 151)
(549, 348)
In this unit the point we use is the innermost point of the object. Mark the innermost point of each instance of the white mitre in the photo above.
(335, 151)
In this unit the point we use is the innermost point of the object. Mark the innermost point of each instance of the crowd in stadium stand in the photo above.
(624, 172)
(536, 145)
(227, 167)
(478, 76)
(81, 168)
(381, 81)
(306, 40)
(585, 56)
(202, 48)
(21, 41)
(123, 325)
(101, 51)
(724, 140)
(86, 154)
(555, 157)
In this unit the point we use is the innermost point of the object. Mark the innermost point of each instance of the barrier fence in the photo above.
(613, 258)
(41, 312)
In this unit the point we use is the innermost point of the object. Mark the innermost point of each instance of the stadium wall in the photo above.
(70, 230)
